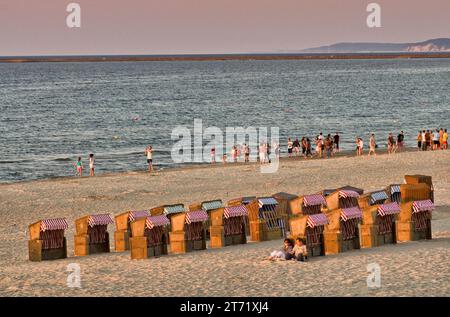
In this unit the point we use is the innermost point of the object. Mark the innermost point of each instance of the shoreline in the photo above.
(220, 57)
(205, 165)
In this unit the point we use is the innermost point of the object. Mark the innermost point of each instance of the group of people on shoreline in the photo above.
(432, 140)
(325, 146)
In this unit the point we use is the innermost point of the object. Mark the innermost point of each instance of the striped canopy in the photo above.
(196, 216)
(388, 209)
(235, 211)
(317, 220)
(210, 205)
(351, 213)
(54, 224)
(98, 220)
(381, 195)
(314, 200)
(156, 221)
(174, 209)
(267, 201)
(423, 205)
(345, 193)
(136, 215)
(395, 189)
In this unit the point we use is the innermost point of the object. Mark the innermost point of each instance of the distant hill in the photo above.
(435, 45)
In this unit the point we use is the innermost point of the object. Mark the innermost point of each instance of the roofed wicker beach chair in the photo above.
(372, 198)
(207, 206)
(92, 234)
(188, 231)
(242, 201)
(344, 215)
(47, 240)
(414, 220)
(393, 192)
(123, 228)
(421, 179)
(228, 226)
(149, 237)
(310, 228)
(266, 221)
(378, 224)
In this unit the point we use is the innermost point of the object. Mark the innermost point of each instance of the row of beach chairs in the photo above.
(331, 221)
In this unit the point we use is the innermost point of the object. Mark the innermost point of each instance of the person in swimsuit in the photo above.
(213, 155)
(91, 164)
(79, 167)
(445, 140)
(391, 148)
(149, 154)
(336, 142)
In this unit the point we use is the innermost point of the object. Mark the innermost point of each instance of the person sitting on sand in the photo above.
(149, 154)
(299, 251)
(79, 166)
(91, 164)
(285, 253)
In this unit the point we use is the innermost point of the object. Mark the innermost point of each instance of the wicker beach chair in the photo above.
(228, 226)
(344, 215)
(188, 231)
(372, 198)
(92, 234)
(266, 222)
(149, 237)
(421, 179)
(123, 228)
(378, 224)
(310, 228)
(414, 220)
(47, 240)
(394, 194)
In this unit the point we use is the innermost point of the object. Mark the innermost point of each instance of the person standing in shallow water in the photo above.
(149, 154)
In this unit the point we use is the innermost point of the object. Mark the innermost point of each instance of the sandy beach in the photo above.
(407, 269)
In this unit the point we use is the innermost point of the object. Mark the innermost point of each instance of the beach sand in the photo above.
(414, 268)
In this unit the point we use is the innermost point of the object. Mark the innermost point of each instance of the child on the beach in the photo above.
(299, 251)
(91, 164)
(285, 253)
(234, 153)
(79, 167)
(224, 158)
(149, 154)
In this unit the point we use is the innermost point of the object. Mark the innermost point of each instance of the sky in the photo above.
(38, 27)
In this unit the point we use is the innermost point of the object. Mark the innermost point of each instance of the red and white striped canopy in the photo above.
(235, 211)
(314, 200)
(351, 213)
(196, 216)
(388, 209)
(98, 220)
(139, 214)
(54, 224)
(156, 221)
(423, 205)
(317, 220)
(345, 193)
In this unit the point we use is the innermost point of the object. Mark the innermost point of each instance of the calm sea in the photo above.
(50, 113)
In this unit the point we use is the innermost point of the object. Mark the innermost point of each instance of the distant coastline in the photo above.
(219, 57)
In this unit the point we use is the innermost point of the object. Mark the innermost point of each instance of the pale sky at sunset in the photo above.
(38, 27)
